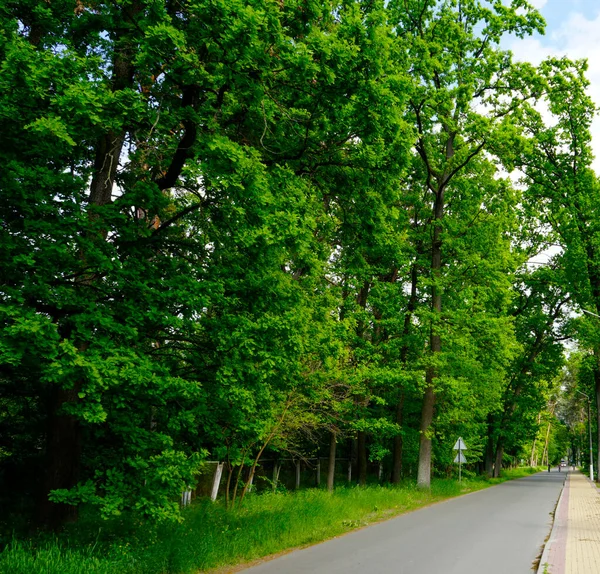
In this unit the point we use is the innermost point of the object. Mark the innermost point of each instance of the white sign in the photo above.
(460, 457)
(460, 445)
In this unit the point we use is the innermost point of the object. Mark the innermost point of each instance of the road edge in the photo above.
(544, 563)
(241, 566)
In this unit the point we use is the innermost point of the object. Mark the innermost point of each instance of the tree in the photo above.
(540, 305)
(556, 164)
(165, 225)
(458, 71)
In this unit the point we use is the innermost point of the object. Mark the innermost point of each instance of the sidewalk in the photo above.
(574, 544)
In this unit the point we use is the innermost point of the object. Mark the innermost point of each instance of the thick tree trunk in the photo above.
(489, 453)
(63, 455)
(108, 152)
(350, 443)
(64, 440)
(499, 457)
(398, 439)
(424, 471)
(331, 467)
(362, 457)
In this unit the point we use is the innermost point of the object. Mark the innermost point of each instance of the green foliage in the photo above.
(231, 228)
(164, 226)
(211, 536)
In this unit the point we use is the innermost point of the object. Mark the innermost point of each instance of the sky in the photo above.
(572, 30)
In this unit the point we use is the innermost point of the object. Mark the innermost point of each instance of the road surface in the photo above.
(499, 530)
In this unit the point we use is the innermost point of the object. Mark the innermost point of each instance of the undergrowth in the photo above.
(211, 536)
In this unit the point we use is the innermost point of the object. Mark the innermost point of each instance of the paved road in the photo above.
(500, 530)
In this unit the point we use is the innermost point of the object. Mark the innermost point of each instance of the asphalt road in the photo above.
(500, 530)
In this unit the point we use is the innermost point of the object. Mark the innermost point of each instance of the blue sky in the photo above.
(573, 30)
(557, 12)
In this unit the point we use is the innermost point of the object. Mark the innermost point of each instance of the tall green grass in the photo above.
(211, 536)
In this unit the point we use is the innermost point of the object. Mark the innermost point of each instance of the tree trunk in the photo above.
(350, 443)
(237, 482)
(63, 454)
(412, 305)
(228, 485)
(489, 457)
(499, 457)
(424, 472)
(398, 444)
(532, 457)
(331, 467)
(362, 457)
(489, 448)
(64, 440)
(546, 442)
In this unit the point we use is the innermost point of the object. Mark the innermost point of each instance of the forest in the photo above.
(287, 232)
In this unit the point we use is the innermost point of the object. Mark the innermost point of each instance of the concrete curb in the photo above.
(554, 534)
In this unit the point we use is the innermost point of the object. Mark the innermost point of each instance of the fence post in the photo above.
(251, 481)
(350, 469)
(276, 468)
(216, 481)
(318, 472)
(297, 474)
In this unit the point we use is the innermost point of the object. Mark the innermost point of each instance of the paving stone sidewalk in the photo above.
(574, 544)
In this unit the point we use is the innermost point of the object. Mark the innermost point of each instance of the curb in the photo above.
(544, 559)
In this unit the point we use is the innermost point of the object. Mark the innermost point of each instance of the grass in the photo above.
(211, 536)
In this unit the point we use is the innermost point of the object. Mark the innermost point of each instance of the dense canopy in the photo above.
(246, 231)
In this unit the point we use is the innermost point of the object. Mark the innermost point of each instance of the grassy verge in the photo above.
(210, 536)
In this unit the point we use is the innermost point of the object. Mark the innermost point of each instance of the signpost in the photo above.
(460, 457)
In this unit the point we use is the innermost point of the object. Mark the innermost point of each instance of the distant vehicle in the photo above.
(563, 464)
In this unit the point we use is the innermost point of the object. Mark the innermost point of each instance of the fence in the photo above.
(296, 474)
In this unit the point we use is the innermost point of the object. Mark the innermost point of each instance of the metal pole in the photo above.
(591, 450)
(589, 413)
(590, 428)
(459, 464)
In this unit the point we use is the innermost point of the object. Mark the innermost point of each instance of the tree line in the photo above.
(240, 228)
